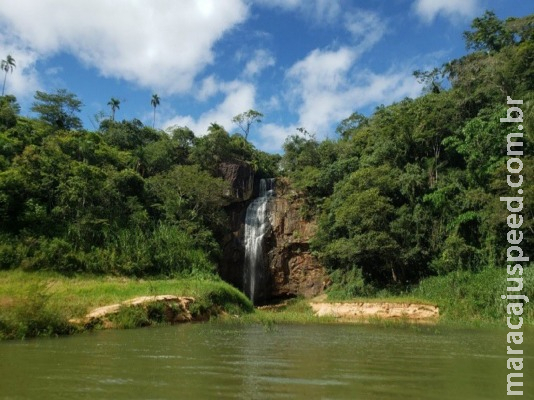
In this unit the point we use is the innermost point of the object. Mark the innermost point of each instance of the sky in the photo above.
(301, 63)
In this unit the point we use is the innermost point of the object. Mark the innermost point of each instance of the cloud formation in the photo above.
(239, 96)
(325, 88)
(261, 60)
(318, 10)
(428, 10)
(159, 44)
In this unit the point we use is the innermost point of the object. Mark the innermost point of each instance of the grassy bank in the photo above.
(464, 298)
(470, 297)
(41, 304)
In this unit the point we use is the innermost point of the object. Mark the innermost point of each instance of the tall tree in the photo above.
(489, 33)
(7, 65)
(155, 102)
(58, 109)
(115, 105)
(246, 119)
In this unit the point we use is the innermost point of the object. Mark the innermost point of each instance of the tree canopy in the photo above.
(58, 109)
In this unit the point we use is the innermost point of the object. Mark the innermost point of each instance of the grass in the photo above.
(396, 299)
(295, 311)
(475, 298)
(41, 303)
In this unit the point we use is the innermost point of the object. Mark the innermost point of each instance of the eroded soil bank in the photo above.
(362, 310)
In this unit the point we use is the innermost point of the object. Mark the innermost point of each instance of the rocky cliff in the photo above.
(294, 271)
(240, 175)
(290, 270)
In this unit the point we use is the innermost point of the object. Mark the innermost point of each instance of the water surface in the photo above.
(226, 361)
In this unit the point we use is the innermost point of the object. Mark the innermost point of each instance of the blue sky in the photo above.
(302, 63)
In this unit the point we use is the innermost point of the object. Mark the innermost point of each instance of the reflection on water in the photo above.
(216, 361)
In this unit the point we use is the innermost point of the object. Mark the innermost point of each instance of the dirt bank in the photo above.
(354, 311)
(176, 309)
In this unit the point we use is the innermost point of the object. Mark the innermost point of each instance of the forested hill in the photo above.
(126, 199)
(410, 191)
(413, 190)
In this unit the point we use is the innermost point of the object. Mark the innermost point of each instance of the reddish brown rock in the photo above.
(293, 269)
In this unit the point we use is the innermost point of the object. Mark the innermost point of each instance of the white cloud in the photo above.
(322, 70)
(23, 81)
(271, 137)
(326, 87)
(429, 9)
(318, 10)
(366, 28)
(208, 88)
(261, 60)
(160, 44)
(321, 110)
(239, 97)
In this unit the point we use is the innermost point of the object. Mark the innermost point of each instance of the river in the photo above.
(246, 361)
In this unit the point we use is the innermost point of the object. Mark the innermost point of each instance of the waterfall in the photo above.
(256, 227)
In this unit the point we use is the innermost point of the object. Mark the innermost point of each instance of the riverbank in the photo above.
(47, 304)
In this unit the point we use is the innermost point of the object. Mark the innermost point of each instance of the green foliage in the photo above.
(413, 190)
(299, 152)
(187, 193)
(349, 284)
(225, 298)
(246, 119)
(128, 135)
(33, 315)
(464, 295)
(114, 104)
(40, 303)
(405, 193)
(125, 200)
(130, 317)
(58, 109)
(489, 33)
(9, 108)
(7, 65)
(154, 102)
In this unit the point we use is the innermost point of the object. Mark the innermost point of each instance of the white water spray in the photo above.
(256, 227)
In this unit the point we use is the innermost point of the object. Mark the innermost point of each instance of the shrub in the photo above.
(32, 315)
(465, 295)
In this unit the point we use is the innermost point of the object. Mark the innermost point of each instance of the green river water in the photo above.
(246, 361)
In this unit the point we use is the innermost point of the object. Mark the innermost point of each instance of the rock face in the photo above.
(290, 268)
(232, 263)
(241, 178)
(293, 269)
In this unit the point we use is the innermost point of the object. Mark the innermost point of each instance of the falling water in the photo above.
(256, 227)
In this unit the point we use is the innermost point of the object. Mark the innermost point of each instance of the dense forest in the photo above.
(408, 192)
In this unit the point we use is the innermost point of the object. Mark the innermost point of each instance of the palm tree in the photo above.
(7, 65)
(114, 104)
(155, 103)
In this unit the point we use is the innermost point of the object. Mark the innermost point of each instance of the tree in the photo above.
(246, 119)
(114, 104)
(430, 79)
(58, 109)
(349, 124)
(155, 103)
(7, 65)
(489, 33)
(9, 108)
